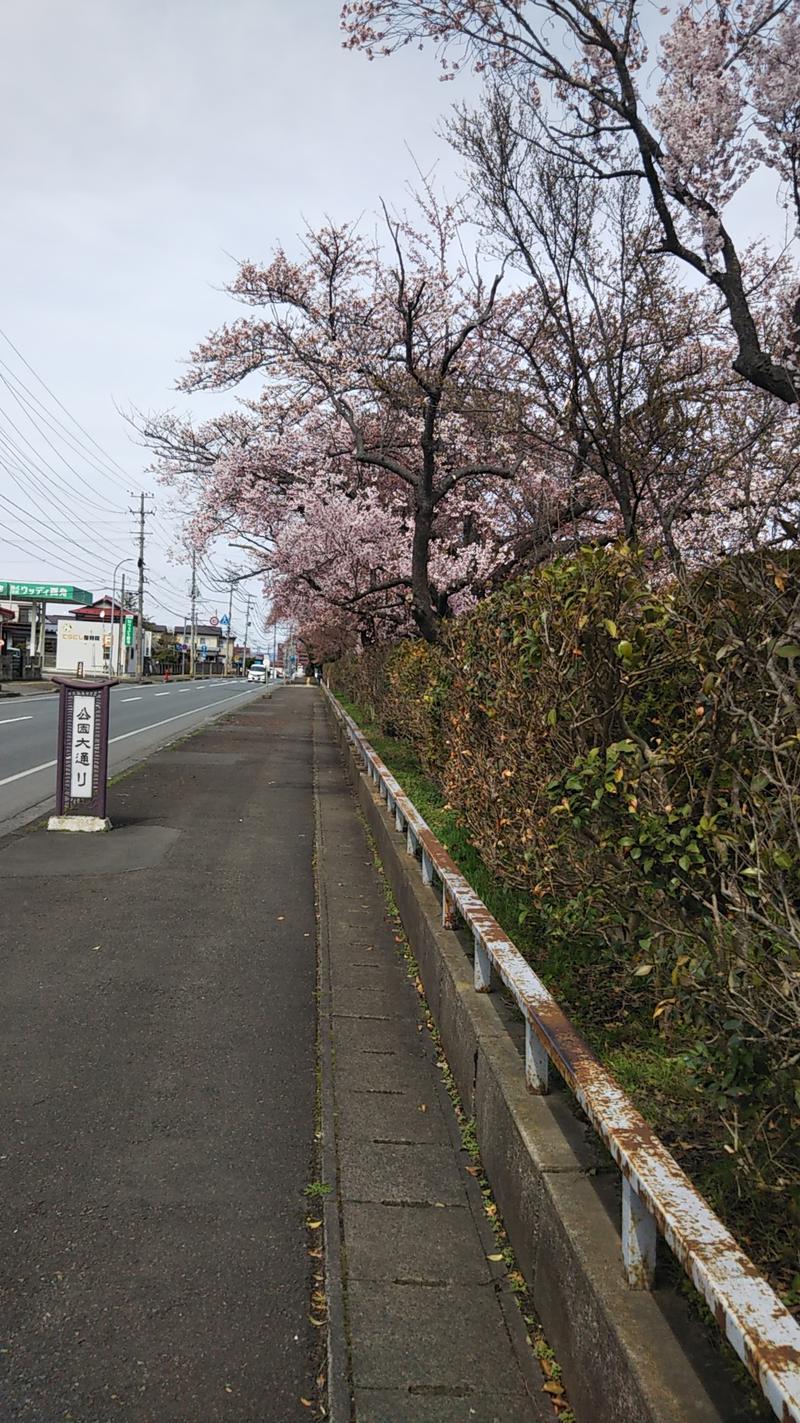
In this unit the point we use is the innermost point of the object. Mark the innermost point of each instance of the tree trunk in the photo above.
(422, 607)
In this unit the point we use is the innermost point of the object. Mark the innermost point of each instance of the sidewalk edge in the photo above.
(339, 1385)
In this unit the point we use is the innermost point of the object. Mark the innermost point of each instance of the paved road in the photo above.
(142, 718)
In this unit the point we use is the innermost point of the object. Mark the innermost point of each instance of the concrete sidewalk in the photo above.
(158, 1088)
(27, 689)
(424, 1329)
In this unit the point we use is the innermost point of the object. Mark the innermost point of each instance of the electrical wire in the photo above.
(45, 539)
(60, 404)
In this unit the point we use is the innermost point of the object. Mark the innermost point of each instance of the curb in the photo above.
(340, 1391)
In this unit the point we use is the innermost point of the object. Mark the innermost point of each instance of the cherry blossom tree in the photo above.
(631, 378)
(381, 382)
(727, 102)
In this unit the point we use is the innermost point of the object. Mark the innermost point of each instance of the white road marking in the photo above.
(9, 719)
(130, 699)
(45, 766)
(162, 694)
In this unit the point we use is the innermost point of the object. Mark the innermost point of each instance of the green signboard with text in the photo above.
(44, 593)
(129, 632)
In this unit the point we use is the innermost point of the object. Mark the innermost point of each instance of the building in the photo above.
(213, 646)
(99, 641)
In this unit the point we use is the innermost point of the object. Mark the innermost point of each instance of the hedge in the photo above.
(625, 750)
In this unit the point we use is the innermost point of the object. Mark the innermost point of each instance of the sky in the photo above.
(147, 145)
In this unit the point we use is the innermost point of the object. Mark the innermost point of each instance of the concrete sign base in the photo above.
(79, 822)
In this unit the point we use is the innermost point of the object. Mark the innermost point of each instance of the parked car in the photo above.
(257, 673)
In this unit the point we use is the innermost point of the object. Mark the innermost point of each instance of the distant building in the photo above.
(94, 646)
(212, 644)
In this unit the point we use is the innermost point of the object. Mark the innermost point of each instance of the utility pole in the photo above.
(246, 631)
(193, 592)
(141, 513)
(140, 623)
(229, 641)
(121, 629)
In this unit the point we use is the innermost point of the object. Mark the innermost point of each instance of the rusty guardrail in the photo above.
(657, 1196)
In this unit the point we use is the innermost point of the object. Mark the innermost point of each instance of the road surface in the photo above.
(142, 718)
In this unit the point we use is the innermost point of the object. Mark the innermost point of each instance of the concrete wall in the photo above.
(628, 1356)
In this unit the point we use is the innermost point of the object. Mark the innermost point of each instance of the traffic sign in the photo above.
(214, 622)
(225, 620)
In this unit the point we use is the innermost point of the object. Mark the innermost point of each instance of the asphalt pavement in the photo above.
(157, 1083)
(143, 717)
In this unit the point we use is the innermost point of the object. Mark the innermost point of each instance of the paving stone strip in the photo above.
(429, 1333)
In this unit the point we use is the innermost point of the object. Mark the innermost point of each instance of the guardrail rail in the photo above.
(657, 1195)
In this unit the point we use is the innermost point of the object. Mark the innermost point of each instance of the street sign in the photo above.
(225, 621)
(82, 767)
(203, 649)
(213, 622)
(45, 593)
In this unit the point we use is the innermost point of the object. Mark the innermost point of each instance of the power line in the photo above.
(34, 549)
(60, 404)
(30, 466)
(79, 447)
(52, 462)
(81, 547)
(79, 474)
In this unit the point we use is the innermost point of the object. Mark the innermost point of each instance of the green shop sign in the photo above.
(45, 593)
(129, 632)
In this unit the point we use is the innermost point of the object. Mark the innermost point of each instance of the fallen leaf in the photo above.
(313, 1224)
(422, 1107)
(554, 1388)
(306, 1402)
(474, 1170)
(317, 1323)
(494, 1257)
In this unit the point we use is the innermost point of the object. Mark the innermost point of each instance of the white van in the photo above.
(257, 673)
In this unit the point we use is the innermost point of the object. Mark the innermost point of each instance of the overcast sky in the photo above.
(146, 143)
